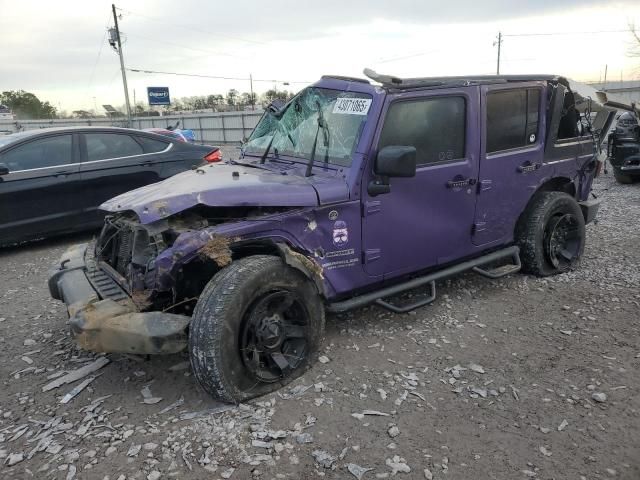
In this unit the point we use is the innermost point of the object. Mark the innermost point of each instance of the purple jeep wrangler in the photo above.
(351, 193)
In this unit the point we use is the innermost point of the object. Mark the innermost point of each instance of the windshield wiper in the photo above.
(268, 149)
(322, 124)
(250, 165)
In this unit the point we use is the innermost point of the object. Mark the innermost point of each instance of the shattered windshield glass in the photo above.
(342, 117)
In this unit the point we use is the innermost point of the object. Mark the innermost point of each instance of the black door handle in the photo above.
(460, 182)
(529, 167)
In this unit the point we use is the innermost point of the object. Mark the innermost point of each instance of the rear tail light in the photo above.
(214, 156)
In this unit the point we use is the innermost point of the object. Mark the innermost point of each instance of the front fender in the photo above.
(223, 243)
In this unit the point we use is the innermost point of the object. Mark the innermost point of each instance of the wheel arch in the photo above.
(201, 268)
(557, 184)
(554, 184)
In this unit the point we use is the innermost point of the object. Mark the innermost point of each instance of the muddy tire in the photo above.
(551, 234)
(257, 325)
(622, 177)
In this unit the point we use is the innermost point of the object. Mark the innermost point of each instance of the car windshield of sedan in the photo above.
(331, 119)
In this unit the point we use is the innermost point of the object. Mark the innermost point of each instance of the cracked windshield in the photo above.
(332, 120)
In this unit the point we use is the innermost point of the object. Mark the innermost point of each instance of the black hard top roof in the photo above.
(398, 83)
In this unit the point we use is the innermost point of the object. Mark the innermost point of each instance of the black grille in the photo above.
(125, 245)
(127, 248)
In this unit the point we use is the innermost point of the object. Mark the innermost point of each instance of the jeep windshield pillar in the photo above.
(349, 194)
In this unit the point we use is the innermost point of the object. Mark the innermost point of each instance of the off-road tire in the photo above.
(533, 225)
(217, 325)
(623, 178)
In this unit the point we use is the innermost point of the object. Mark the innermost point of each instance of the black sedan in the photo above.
(52, 180)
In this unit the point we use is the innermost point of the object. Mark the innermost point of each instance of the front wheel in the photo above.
(257, 326)
(551, 234)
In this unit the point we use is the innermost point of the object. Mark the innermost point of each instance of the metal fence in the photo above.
(212, 128)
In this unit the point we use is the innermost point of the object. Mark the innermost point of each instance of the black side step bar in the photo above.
(474, 264)
(501, 271)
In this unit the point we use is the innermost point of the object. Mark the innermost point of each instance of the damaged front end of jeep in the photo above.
(145, 279)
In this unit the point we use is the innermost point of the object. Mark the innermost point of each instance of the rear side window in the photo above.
(101, 146)
(45, 152)
(151, 145)
(512, 119)
(434, 126)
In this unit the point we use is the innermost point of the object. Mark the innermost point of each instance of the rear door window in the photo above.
(512, 119)
(152, 145)
(40, 153)
(434, 126)
(102, 146)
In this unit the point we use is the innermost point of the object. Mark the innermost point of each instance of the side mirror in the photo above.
(392, 161)
(276, 106)
(4, 170)
(396, 161)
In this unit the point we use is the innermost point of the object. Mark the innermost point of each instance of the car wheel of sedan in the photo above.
(257, 326)
(622, 177)
(551, 234)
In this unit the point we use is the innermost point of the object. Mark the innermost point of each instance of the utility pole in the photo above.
(253, 100)
(124, 74)
(606, 66)
(499, 43)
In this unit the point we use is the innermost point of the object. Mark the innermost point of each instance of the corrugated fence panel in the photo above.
(219, 127)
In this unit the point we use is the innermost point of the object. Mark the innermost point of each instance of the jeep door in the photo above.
(511, 158)
(113, 163)
(39, 195)
(425, 220)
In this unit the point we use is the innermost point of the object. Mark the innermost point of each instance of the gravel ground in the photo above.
(515, 378)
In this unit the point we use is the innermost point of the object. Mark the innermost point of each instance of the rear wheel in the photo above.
(551, 234)
(257, 326)
(622, 177)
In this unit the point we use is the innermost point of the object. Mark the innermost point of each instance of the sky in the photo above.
(59, 50)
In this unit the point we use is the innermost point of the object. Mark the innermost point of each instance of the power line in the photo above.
(562, 33)
(95, 65)
(140, 70)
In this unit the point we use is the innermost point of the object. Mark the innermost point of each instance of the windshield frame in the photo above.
(302, 118)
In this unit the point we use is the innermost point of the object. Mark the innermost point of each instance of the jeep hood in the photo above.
(227, 185)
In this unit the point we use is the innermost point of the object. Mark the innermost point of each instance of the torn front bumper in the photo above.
(103, 317)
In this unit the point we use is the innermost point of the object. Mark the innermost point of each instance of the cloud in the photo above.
(54, 50)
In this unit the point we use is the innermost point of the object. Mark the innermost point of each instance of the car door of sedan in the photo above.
(39, 195)
(112, 163)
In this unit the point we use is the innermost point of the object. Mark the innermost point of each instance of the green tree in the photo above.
(200, 103)
(232, 95)
(270, 95)
(26, 105)
(81, 114)
(248, 98)
(214, 100)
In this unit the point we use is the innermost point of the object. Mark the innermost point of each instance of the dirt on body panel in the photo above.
(217, 249)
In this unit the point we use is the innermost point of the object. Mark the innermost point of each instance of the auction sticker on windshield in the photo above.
(352, 106)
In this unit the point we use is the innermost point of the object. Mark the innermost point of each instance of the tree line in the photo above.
(25, 105)
(233, 98)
